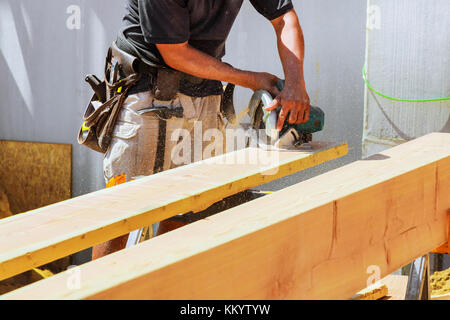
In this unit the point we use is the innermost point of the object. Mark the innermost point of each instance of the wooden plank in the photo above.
(320, 239)
(396, 285)
(35, 174)
(374, 292)
(38, 237)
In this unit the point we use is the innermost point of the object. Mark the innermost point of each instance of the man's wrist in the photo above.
(296, 85)
(246, 79)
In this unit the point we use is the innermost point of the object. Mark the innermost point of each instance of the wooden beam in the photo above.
(323, 238)
(41, 236)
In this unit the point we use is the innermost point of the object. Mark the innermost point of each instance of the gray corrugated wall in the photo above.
(408, 52)
(335, 45)
(43, 64)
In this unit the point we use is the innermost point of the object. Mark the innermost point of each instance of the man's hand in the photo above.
(264, 81)
(295, 104)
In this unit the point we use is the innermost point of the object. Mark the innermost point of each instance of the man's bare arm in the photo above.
(294, 99)
(291, 46)
(187, 59)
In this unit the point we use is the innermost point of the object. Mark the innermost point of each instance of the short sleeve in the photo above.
(272, 9)
(164, 21)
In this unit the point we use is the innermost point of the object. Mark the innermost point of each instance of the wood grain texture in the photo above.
(314, 240)
(34, 175)
(38, 237)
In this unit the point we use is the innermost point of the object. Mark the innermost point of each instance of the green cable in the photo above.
(396, 99)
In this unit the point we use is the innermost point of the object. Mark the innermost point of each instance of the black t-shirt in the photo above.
(205, 24)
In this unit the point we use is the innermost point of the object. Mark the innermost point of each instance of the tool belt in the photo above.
(122, 72)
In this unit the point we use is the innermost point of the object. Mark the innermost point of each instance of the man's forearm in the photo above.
(291, 48)
(189, 60)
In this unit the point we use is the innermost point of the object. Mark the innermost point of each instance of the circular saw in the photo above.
(292, 136)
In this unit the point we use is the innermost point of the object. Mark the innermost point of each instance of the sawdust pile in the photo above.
(4, 205)
(440, 282)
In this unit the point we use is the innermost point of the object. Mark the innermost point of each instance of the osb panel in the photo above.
(34, 175)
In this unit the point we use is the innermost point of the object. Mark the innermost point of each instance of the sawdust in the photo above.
(440, 282)
(4, 205)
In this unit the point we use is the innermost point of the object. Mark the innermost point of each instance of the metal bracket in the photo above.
(419, 275)
(419, 280)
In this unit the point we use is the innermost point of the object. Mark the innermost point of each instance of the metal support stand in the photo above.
(419, 275)
(419, 280)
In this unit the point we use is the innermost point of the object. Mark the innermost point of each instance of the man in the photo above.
(189, 36)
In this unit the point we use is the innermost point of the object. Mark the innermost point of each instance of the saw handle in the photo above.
(270, 118)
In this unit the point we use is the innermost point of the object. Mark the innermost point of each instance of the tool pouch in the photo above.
(104, 107)
(100, 118)
(167, 84)
(227, 105)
